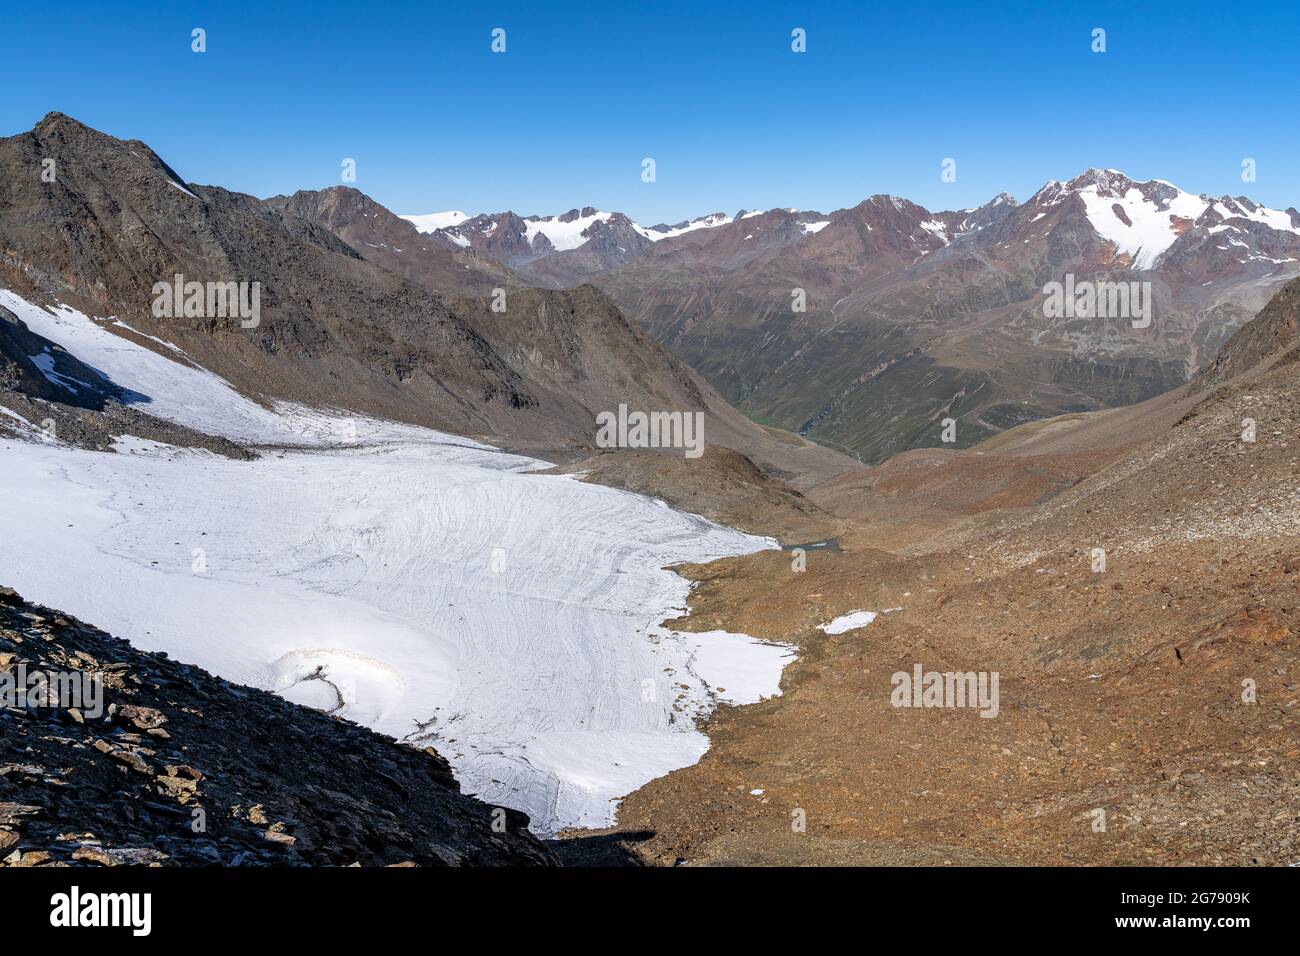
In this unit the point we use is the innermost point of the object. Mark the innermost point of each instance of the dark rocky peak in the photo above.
(1109, 182)
(69, 141)
(569, 216)
(965, 221)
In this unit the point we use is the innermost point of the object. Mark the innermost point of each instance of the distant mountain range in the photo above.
(1142, 220)
(914, 316)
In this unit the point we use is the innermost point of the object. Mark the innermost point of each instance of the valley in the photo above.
(1131, 577)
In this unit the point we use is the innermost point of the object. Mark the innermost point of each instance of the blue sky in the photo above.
(711, 91)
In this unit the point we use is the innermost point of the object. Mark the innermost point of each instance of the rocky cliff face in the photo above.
(174, 766)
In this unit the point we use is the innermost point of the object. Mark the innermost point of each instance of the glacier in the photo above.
(431, 587)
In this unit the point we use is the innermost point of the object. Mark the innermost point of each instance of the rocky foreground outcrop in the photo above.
(184, 768)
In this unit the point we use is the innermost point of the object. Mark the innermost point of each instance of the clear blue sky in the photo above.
(712, 91)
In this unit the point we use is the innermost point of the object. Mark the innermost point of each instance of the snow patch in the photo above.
(171, 182)
(937, 229)
(704, 222)
(432, 222)
(740, 669)
(135, 445)
(563, 235)
(848, 622)
(45, 362)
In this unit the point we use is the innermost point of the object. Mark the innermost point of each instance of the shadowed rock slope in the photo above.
(1272, 331)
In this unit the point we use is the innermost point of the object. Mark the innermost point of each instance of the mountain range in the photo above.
(914, 316)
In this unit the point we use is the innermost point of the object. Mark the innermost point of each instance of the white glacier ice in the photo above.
(439, 588)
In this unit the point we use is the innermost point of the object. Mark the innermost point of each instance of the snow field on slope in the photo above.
(443, 592)
(563, 235)
(1150, 230)
(432, 222)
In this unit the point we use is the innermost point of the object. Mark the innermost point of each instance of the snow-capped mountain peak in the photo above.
(567, 231)
(517, 235)
(1139, 221)
(1143, 219)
